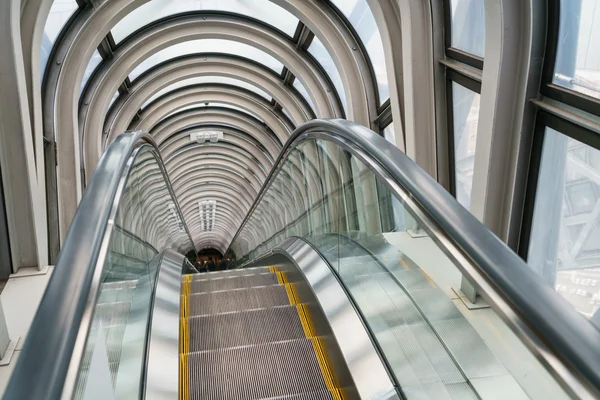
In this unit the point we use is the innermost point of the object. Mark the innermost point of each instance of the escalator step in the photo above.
(237, 300)
(237, 282)
(244, 328)
(231, 272)
(266, 371)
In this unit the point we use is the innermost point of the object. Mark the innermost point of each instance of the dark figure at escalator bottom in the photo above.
(224, 264)
(210, 265)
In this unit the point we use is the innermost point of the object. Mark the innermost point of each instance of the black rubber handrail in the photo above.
(42, 368)
(570, 338)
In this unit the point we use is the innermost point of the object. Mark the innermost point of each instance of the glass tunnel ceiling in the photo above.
(264, 119)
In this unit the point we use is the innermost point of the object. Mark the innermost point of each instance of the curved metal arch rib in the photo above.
(207, 64)
(198, 25)
(201, 116)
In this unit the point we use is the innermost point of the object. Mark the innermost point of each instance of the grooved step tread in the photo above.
(244, 328)
(237, 300)
(265, 371)
(230, 273)
(236, 282)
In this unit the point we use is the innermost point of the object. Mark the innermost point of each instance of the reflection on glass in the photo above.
(154, 10)
(565, 233)
(399, 278)
(465, 105)
(146, 223)
(300, 88)
(208, 79)
(468, 26)
(60, 12)
(318, 50)
(389, 133)
(207, 46)
(578, 57)
(89, 70)
(360, 16)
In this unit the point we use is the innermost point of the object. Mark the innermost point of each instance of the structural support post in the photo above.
(24, 209)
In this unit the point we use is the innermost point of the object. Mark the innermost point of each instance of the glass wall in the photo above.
(468, 26)
(565, 232)
(146, 224)
(400, 280)
(577, 64)
(465, 105)
(320, 53)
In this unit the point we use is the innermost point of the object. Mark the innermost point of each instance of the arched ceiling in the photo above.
(250, 69)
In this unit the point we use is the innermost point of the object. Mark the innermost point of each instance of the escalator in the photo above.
(354, 278)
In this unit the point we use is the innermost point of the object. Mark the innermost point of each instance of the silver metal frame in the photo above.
(54, 347)
(162, 353)
(565, 343)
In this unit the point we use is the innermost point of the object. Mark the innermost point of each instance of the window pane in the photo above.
(322, 55)
(60, 12)
(465, 106)
(207, 46)
(565, 234)
(390, 134)
(300, 87)
(360, 16)
(468, 26)
(208, 79)
(115, 96)
(89, 70)
(157, 9)
(578, 56)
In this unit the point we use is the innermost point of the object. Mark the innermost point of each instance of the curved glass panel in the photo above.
(565, 234)
(468, 26)
(208, 79)
(60, 12)
(207, 46)
(91, 67)
(398, 276)
(265, 11)
(578, 57)
(146, 224)
(360, 16)
(300, 88)
(465, 107)
(324, 58)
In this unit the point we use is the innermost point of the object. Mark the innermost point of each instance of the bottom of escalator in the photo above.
(245, 335)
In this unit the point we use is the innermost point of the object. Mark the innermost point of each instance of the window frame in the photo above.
(567, 128)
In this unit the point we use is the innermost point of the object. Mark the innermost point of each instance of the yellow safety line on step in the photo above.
(184, 337)
(272, 269)
(290, 294)
(319, 350)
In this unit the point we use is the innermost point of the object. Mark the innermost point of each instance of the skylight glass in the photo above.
(318, 50)
(207, 46)
(208, 79)
(360, 16)
(115, 96)
(91, 67)
(263, 10)
(300, 87)
(60, 12)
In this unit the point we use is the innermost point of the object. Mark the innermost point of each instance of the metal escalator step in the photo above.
(244, 328)
(237, 300)
(236, 282)
(230, 273)
(270, 370)
(320, 395)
